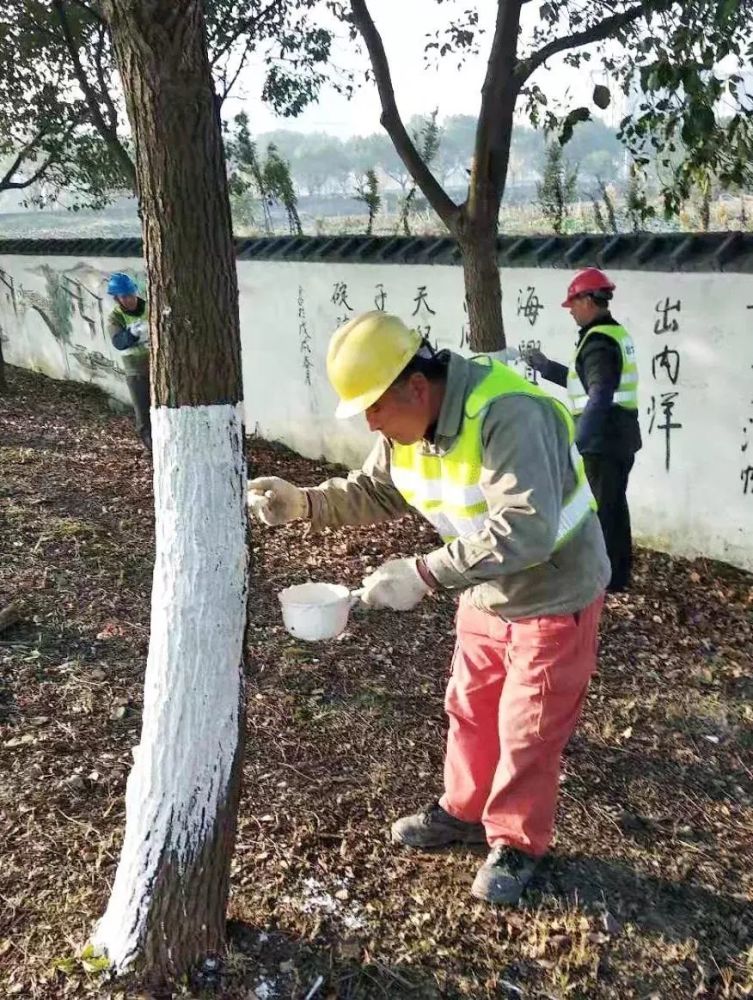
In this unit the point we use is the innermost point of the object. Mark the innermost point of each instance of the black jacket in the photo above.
(599, 363)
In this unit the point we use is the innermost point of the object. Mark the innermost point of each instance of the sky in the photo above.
(418, 89)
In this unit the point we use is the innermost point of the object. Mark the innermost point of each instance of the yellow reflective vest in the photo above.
(626, 394)
(446, 489)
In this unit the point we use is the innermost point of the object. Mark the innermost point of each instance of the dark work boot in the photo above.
(504, 875)
(433, 827)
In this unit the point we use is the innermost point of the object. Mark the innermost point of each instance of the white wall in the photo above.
(702, 504)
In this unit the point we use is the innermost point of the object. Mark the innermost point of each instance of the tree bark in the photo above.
(483, 288)
(168, 902)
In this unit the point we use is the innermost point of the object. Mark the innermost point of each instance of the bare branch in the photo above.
(435, 194)
(108, 133)
(596, 33)
(227, 85)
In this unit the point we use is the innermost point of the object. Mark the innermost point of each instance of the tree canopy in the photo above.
(674, 61)
(62, 118)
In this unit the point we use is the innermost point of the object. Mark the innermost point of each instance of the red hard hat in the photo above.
(590, 279)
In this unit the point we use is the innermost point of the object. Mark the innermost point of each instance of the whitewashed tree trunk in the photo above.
(168, 903)
(185, 772)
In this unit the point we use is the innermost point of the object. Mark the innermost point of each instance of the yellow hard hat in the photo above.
(365, 356)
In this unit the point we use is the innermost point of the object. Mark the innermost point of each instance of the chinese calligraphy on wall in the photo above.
(746, 473)
(665, 368)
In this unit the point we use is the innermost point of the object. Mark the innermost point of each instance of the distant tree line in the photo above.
(323, 164)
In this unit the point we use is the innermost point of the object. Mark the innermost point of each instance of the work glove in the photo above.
(140, 331)
(276, 501)
(396, 584)
(535, 359)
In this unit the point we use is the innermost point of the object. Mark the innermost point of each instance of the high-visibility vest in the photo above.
(626, 394)
(446, 489)
(138, 326)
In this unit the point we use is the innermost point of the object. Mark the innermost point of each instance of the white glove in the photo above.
(276, 501)
(396, 584)
(140, 330)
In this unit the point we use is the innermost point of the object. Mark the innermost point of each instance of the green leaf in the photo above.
(570, 121)
(67, 966)
(601, 96)
(101, 964)
(93, 961)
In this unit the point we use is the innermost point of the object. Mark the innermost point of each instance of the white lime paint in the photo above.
(697, 507)
(192, 688)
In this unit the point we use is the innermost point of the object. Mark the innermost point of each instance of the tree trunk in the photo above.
(483, 288)
(168, 902)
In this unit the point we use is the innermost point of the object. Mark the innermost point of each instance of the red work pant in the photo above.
(514, 698)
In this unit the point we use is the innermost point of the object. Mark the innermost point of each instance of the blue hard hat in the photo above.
(121, 284)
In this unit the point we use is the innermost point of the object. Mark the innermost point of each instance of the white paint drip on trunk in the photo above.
(193, 679)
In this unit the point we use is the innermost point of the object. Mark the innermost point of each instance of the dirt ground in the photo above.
(646, 895)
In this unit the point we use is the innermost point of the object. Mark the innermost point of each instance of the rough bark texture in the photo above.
(162, 57)
(168, 904)
(483, 288)
(479, 223)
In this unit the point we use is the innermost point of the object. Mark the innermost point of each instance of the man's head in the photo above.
(589, 295)
(380, 367)
(124, 290)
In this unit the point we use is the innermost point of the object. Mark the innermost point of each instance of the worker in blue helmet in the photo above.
(128, 325)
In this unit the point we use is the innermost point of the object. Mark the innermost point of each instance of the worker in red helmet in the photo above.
(602, 385)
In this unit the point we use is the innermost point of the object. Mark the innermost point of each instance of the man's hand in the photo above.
(535, 359)
(396, 584)
(140, 331)
(276, 501)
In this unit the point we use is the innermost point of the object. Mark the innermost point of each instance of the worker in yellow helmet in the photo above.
(490, 461)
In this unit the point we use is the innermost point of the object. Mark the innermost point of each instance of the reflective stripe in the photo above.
(446, 488)
(572, 514)
(575, 511)
(627, 391)
(442, 490)
(578, 403)
(449, 528)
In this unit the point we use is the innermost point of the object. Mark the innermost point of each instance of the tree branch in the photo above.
(6, 181)
(227, 85)
(498, 95)
(245, 27)
(108, 133)
(596, 33)
(8, 184)
(103, 88)
(435, 194)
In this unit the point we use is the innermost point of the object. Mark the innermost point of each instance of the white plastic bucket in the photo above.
(314, 611)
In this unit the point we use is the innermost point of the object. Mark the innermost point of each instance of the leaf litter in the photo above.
(648, 889)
